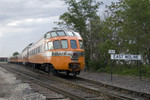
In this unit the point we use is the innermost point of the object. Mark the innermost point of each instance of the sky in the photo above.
(25, 21)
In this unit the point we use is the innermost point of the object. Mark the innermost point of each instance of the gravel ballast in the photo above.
(13, 89)
(127, 82)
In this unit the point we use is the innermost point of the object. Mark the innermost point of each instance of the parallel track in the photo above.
(95, 92)
(122, 92)
(145, 96)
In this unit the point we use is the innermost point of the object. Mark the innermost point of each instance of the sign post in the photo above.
(140, 71)
(111, 67)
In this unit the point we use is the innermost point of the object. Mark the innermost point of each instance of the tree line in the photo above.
(124, 27)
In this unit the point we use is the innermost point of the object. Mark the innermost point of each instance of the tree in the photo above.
(138, 16)
(80, 16)
(132, 18)
(79, 13)
(15, 53)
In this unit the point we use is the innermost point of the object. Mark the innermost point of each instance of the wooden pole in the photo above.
(140, 71)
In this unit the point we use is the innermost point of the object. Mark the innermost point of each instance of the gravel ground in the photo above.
(12, 89)
(128, 82)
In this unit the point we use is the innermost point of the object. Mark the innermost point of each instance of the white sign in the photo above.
(111, 51)
(125, 57)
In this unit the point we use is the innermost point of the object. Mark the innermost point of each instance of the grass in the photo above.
(131, 71)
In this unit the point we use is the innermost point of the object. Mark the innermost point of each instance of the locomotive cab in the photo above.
(63, 51)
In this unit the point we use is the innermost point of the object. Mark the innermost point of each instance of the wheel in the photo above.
(34, 66)
(74, 73)
(54, 72)
(67, 73)
(47, 68)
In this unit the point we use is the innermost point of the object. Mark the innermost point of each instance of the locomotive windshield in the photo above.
(70, 33)
(81, 44)
(48, 35)
(64, 44)
(54, 34)
(73, 44)
(61, 33)
(57, 44)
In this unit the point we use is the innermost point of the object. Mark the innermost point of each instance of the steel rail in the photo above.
(93, 91)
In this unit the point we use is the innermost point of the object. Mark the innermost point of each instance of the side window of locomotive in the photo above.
(81, 44)
(38, 49)
(73, 44)
(56, 44)
(61, 33)
(54, 34)
(50, 45)
(48, 35)
(34, 51)
(64, 44)
(41, 48)
(46, 48)
(70, 33)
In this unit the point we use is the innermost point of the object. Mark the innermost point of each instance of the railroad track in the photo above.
(73, 91)
(119, 90)
(37, 79)
(130, 94)
(93, 89)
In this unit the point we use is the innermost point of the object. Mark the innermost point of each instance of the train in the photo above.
(57, 51)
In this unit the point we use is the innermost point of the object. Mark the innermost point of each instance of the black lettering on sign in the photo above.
(130, 57)
(117, 56)
(113, 56)
(120, 56)
(135, 56)
(126, 57)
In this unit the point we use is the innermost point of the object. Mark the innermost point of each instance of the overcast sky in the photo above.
(25, 21)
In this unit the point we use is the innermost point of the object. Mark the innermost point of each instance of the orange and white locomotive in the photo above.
(58, 50)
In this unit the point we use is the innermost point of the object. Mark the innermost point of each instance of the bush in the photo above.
(95, 65)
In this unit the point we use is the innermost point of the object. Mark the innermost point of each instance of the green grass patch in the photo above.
(131, 71)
